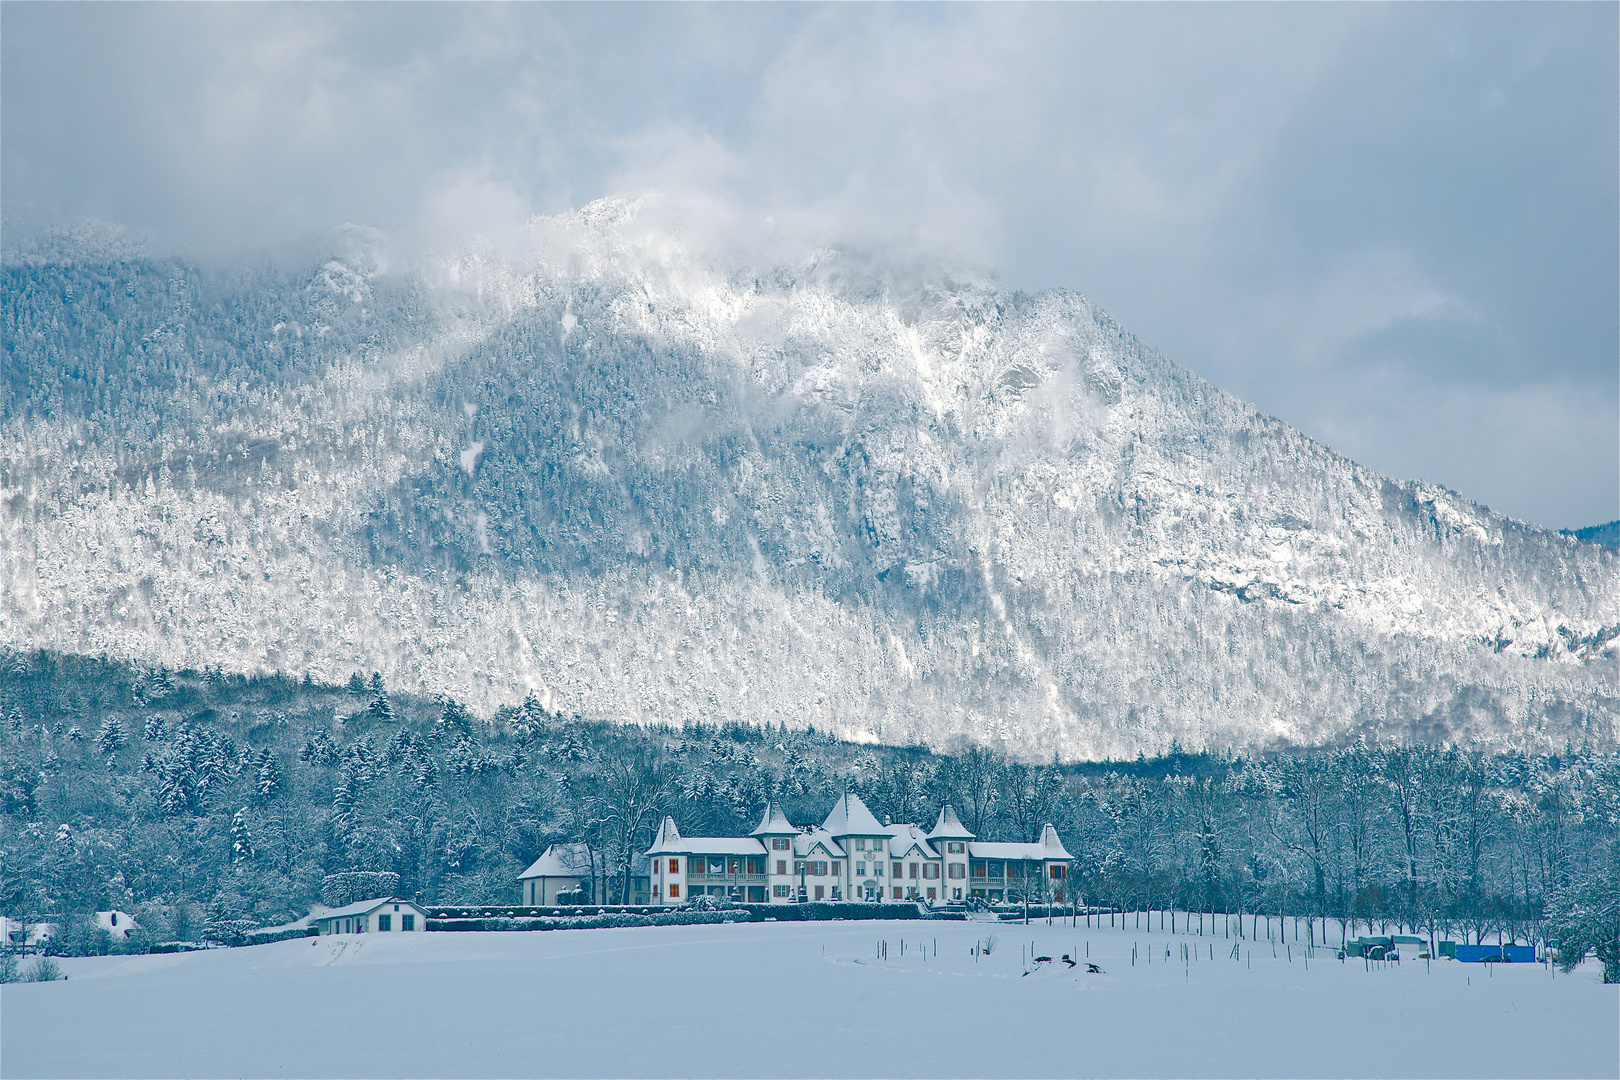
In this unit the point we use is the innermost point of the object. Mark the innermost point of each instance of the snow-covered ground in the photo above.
(799, 999)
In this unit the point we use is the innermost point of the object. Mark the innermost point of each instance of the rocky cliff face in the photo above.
(640, 485)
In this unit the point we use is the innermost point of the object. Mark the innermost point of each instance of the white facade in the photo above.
(382, 916)
(569, 873)
(562, 868)
(850, 857)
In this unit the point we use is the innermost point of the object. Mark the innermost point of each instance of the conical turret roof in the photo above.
(1051, 846)
(774, 823)
(850, 817)
(949, 825)
(668, 838)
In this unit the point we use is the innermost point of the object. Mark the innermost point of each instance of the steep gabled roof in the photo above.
(902, 838)
(561, 860)
(949, 825)
(774, 823)
(850, 817)
(805, 843)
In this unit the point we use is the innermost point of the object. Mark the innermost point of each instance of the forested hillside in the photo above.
(199, 799)
(896, 504)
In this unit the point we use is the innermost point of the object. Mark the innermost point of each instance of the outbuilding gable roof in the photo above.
(561, 860)
(365, 907)
(850, 817)
(774, 823)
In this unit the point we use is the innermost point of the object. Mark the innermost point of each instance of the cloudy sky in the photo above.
(1395, 227)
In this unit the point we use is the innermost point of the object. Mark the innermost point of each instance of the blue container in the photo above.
(1496, 954)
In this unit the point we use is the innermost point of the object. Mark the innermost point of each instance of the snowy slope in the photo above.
(644, 485)
(798, 999)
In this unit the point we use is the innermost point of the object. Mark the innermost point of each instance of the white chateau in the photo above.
(852, 858)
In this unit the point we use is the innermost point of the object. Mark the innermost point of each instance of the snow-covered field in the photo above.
(798, 999)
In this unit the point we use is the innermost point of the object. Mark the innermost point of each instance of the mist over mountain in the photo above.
(644, 484)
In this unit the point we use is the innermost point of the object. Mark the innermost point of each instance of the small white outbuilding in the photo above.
(389, 914)
(562, 868)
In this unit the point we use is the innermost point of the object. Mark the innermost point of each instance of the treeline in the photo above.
(199, 800)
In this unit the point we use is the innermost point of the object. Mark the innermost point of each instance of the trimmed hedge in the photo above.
(811, 912)
(498, 911)
(184, 946)
(823, 912)
(591, 922)
(251, 938)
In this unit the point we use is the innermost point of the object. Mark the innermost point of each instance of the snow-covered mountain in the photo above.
(641, 484)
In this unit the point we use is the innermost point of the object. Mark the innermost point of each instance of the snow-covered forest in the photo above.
(202, 801)
(899, 505)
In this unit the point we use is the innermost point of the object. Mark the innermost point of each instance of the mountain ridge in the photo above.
(641, 485)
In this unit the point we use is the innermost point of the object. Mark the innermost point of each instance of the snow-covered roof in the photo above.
(949, 825)
(982, 849)
(850, 817)
(117, 923)
(561, 860)
(719, 845)
(805, 843)
(668, 838)
(670, 841)
(1047, 847)
(774, 823)
(364, 907)
(902, 838)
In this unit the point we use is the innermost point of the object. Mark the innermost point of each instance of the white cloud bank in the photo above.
(1394, 227)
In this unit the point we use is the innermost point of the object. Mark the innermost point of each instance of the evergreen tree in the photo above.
(1586, 919)
(110, 737)
(241, 839)
(267, 781)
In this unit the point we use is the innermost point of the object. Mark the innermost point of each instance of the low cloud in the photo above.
(1335, 211)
